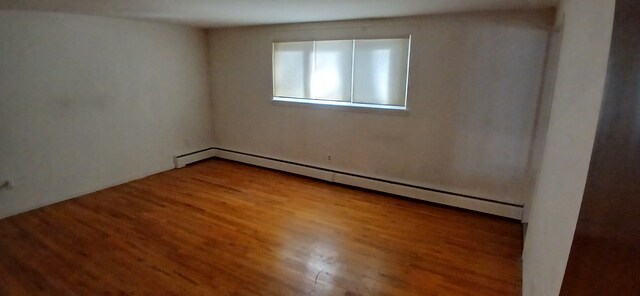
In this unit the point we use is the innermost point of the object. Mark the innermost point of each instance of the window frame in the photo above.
(351, 103)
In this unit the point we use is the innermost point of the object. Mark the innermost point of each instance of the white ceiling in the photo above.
(215, 13)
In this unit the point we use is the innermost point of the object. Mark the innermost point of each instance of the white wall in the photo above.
(473, 91)
(90, 102)
(544, 111)
(579, 87)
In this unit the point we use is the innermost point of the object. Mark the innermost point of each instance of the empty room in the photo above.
(284, 147)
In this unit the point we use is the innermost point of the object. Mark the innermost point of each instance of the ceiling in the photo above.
(217, 13)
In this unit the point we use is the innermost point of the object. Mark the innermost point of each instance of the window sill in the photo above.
(339, 104)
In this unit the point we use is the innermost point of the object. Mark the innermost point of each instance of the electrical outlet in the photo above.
(328, 157)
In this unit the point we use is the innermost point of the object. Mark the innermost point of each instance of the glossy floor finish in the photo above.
(223, 228)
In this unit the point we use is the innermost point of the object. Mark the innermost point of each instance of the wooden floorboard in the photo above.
(224, 228)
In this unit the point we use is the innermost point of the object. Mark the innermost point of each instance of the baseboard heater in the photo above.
(422, 193)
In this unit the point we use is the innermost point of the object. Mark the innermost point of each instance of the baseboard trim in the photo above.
(426, 194)
(181, 161)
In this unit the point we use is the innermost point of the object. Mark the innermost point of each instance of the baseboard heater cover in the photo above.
(425, 194)
(181, 161)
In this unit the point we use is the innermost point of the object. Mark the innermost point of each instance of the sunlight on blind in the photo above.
(331, 77)
(370, 72)
(380, 71)
(292, 69)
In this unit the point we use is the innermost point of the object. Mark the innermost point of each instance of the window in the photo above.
(358, 72)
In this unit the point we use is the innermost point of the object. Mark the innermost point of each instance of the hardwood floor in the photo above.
(224, 228)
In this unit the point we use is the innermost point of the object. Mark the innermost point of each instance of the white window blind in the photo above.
(292, 69)
(363, 73)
